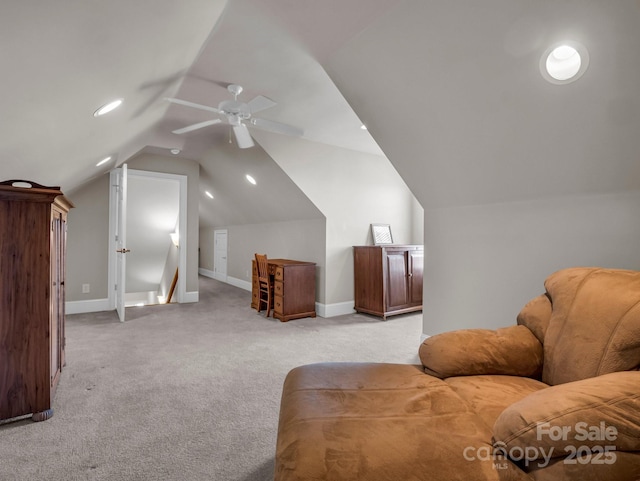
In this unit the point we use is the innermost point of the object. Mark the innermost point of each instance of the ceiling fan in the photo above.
(238, 115)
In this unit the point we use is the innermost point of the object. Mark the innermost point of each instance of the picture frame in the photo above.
(381, 234)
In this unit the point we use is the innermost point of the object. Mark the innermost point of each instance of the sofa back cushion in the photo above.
(594, 327)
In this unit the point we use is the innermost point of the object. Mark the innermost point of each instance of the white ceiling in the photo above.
(450, 90)
(475, 122)
(62, 60)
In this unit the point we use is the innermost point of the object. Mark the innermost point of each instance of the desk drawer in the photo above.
(278, 288)
(279, 274)
(278, 304)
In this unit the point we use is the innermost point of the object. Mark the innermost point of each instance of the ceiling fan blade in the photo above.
(260, 103)
(193, 105)
(243, 137)
(276, 127)
(197, 126)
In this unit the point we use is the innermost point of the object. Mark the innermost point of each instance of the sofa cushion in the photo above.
(511, 351)
(599, 411)
(488, 396)
(595, 324)
(380, 422)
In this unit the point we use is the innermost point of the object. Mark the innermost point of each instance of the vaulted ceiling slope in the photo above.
(471, 120)
(451, 92)
(62, 60)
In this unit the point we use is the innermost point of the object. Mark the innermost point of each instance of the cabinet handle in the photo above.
(123, 251)
(410, 274)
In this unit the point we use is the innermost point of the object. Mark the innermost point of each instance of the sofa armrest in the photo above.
(509, 351)
(601, 413)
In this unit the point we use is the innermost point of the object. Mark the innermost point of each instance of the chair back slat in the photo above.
(263, 268)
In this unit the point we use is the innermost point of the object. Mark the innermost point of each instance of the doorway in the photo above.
(150, 233)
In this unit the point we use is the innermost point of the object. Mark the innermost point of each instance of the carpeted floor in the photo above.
(184, 392)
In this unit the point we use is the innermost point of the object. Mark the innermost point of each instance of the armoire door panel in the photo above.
(397, 293)
(416, 272)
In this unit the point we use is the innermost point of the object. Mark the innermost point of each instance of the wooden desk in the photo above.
(294, 288)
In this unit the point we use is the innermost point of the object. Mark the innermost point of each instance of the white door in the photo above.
(121, 238)
(220, 255)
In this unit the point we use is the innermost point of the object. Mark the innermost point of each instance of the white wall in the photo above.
(485, 262)
(353, 190)
(88, 241)
(300, 240)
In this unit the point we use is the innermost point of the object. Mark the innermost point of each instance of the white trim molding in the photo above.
(333, 310)
(242, 284)
(91, 305)
(206, 272)
(191, 296)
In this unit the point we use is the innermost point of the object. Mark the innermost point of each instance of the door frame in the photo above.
(181, 288)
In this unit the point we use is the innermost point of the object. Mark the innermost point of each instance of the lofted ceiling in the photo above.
(62, 60)
(451, 92)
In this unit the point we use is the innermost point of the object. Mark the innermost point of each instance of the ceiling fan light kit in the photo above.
(236, 113)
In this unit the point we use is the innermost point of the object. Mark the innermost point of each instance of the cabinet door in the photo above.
(416, 270)
(397, 286)
(56, 328)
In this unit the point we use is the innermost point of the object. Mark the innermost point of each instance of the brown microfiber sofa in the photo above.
(555, 397)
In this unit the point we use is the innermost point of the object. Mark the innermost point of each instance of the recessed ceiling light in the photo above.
(103, 161)
(106, 108)
(564, 63)
(251, 179)
(208, 194)
(175, 151)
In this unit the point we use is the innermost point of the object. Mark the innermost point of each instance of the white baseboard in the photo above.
(242, 284)
(92, 305)
(206, 273)
(193, 296)
(99, 305)
(246, 285)
(333, 310)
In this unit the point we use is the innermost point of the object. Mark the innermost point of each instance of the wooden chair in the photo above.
(265, 291)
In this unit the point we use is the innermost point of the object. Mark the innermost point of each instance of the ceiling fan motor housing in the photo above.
(233, 108)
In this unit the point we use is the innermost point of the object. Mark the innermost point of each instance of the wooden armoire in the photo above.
(388, 279)
(33, 221)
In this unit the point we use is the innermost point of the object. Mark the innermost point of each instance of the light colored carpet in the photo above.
(185, 392)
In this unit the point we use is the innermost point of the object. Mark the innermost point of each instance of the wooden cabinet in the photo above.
(388, 279)
(294, 288)
(32, 259)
